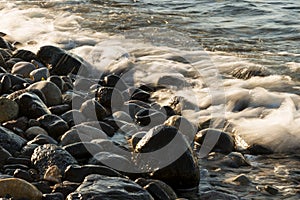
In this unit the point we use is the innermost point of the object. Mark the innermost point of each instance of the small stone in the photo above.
(20, 123)
(23, 174)
(4, 156)
(241, 179)
(24, 55)
(53, 196)
(39, 74)
(58, 81)
(76, 173)
(271, 190)
(83, 150)
(11, 141)
(42, 186)
(19, 188)
(6, 84)
(42, 139)
(213, 195)
(33, 131)
(51, 92)
(93, 110)
(235, 160)
(111, 98)
(9, 109)
(123, 116)
(53, 174)
(60, 109)
(73, 117)
(54, 125)
(65, 188)
(23, 68)
(136, 138)
(104, 187)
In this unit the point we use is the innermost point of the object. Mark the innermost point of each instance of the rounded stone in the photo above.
(9, 109)
(23, 68)
(39, 74)
(93, 110)
(51, 92)
(11, 141)
(34, 131)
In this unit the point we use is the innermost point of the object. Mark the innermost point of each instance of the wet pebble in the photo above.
(93, 110)
(33, 131)
(53, 196)
(9, 109)
(11, 141)
(83, 150)
(23, 69)
(39, 74)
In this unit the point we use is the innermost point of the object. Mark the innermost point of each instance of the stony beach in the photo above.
(65, 134)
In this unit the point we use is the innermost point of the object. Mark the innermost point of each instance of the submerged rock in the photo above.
(109, 188)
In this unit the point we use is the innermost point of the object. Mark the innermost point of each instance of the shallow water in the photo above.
(198, 43)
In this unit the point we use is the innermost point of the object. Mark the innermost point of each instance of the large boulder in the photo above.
(109, 188)
(166, 154)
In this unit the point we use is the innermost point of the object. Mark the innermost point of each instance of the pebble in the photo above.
(11, 141)
(19, 188)
(9, 109)
(53, 196)
(60, 109)
(73, 117)
(25, 55)
(39, 74)
(23, 174)
(213, 195)
(93, 110)
(104, 187)
(4, 156)
(53, 174)
(65, 188)
(111, 98)
(241, 180)
(83, 150)
(23, 68)
(33, 131)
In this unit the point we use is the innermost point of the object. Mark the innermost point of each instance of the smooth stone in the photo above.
(83, 84)
(58, 81)
(73, 117)
(4, 156)
(53, 174)
(109, 188)
(48, 155)
(42, 139)
(134, 140)
(111, 98)
(140, 95)
(40, 74)
(80, 150)
(65, 188)
(37, 64)
(134, 106)
(113, 80)
(52, 93)
(73, 136)
(241, 180)
(76, 173)
(176, 165)
(23, 174)
(54, 125)
(19, 188)
(15, 166)
(24, 55)
(179, 103)
(60, 109)
(15, 95)
(93, 132)
(235, 160)
(53, 196)
(21, 123)
(213, 195)
(108, 129)
(28, 150)
(11, 141)
(23, 68)
(93, 110)
(224, 143)
(5, 44)
(171, 81)
(123, 116)
(32, 106)
(6, 84)
(271, 190)
(9, 109)
(112, 160)
(22, 161)
(158, 189)
(149, 118)
(256, 149)
(33, 131)
(43, 186)
(183, 125)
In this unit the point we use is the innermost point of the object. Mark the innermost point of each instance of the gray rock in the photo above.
(83, 150)
(54, 125)
(93, 110)
(34, 131)
(39, 74)
(32, 106)
(23, 68)
(11, 141)
(235, 160)
(175, 165)
(4, 156)
(9, 109)
(76, 173)
(73, 117)
(51, 92)
(213, 195)
(49, 155)
(109, 188)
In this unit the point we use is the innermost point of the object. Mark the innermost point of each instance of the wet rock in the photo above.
(4, 44)
(4, 156)
(149, 117)
(212, 195)
(136, 138)
(31, 106)
(60, 109)
(53, 174)
(76, 173)
(18, 124)
(18, 189)
(83, 84)
(123, 116)
(73, 117)
(33, 131)
(48, 155)
(235, 160)
(28, 150)
(179, 103)
(158, 189)
(54, 125)
(23, 69)
(248, 72)
(104, 187)
(53, 196)
(183, 125)
(43, 186)
(9, 109)
(176, 165)
(171, 81)
(58, 81)
(42, 139)
(93, 110)
(39, 74)
(241, 179)
(65, 188)
(140, 95)
(257, 149)
(113, 80)
(108, 129)
(51, 92)
(23, 174)
(73, 136)
(10, 141)
(6, 84)
(60, 62)
(111, 98)
(23, 161)
(224, 143)
(83, 150)
(24, 55)
(271, 190)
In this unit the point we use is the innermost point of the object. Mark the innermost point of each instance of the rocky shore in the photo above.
(66, 134)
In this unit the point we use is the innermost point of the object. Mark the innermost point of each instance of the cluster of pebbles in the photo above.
(63, 134)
